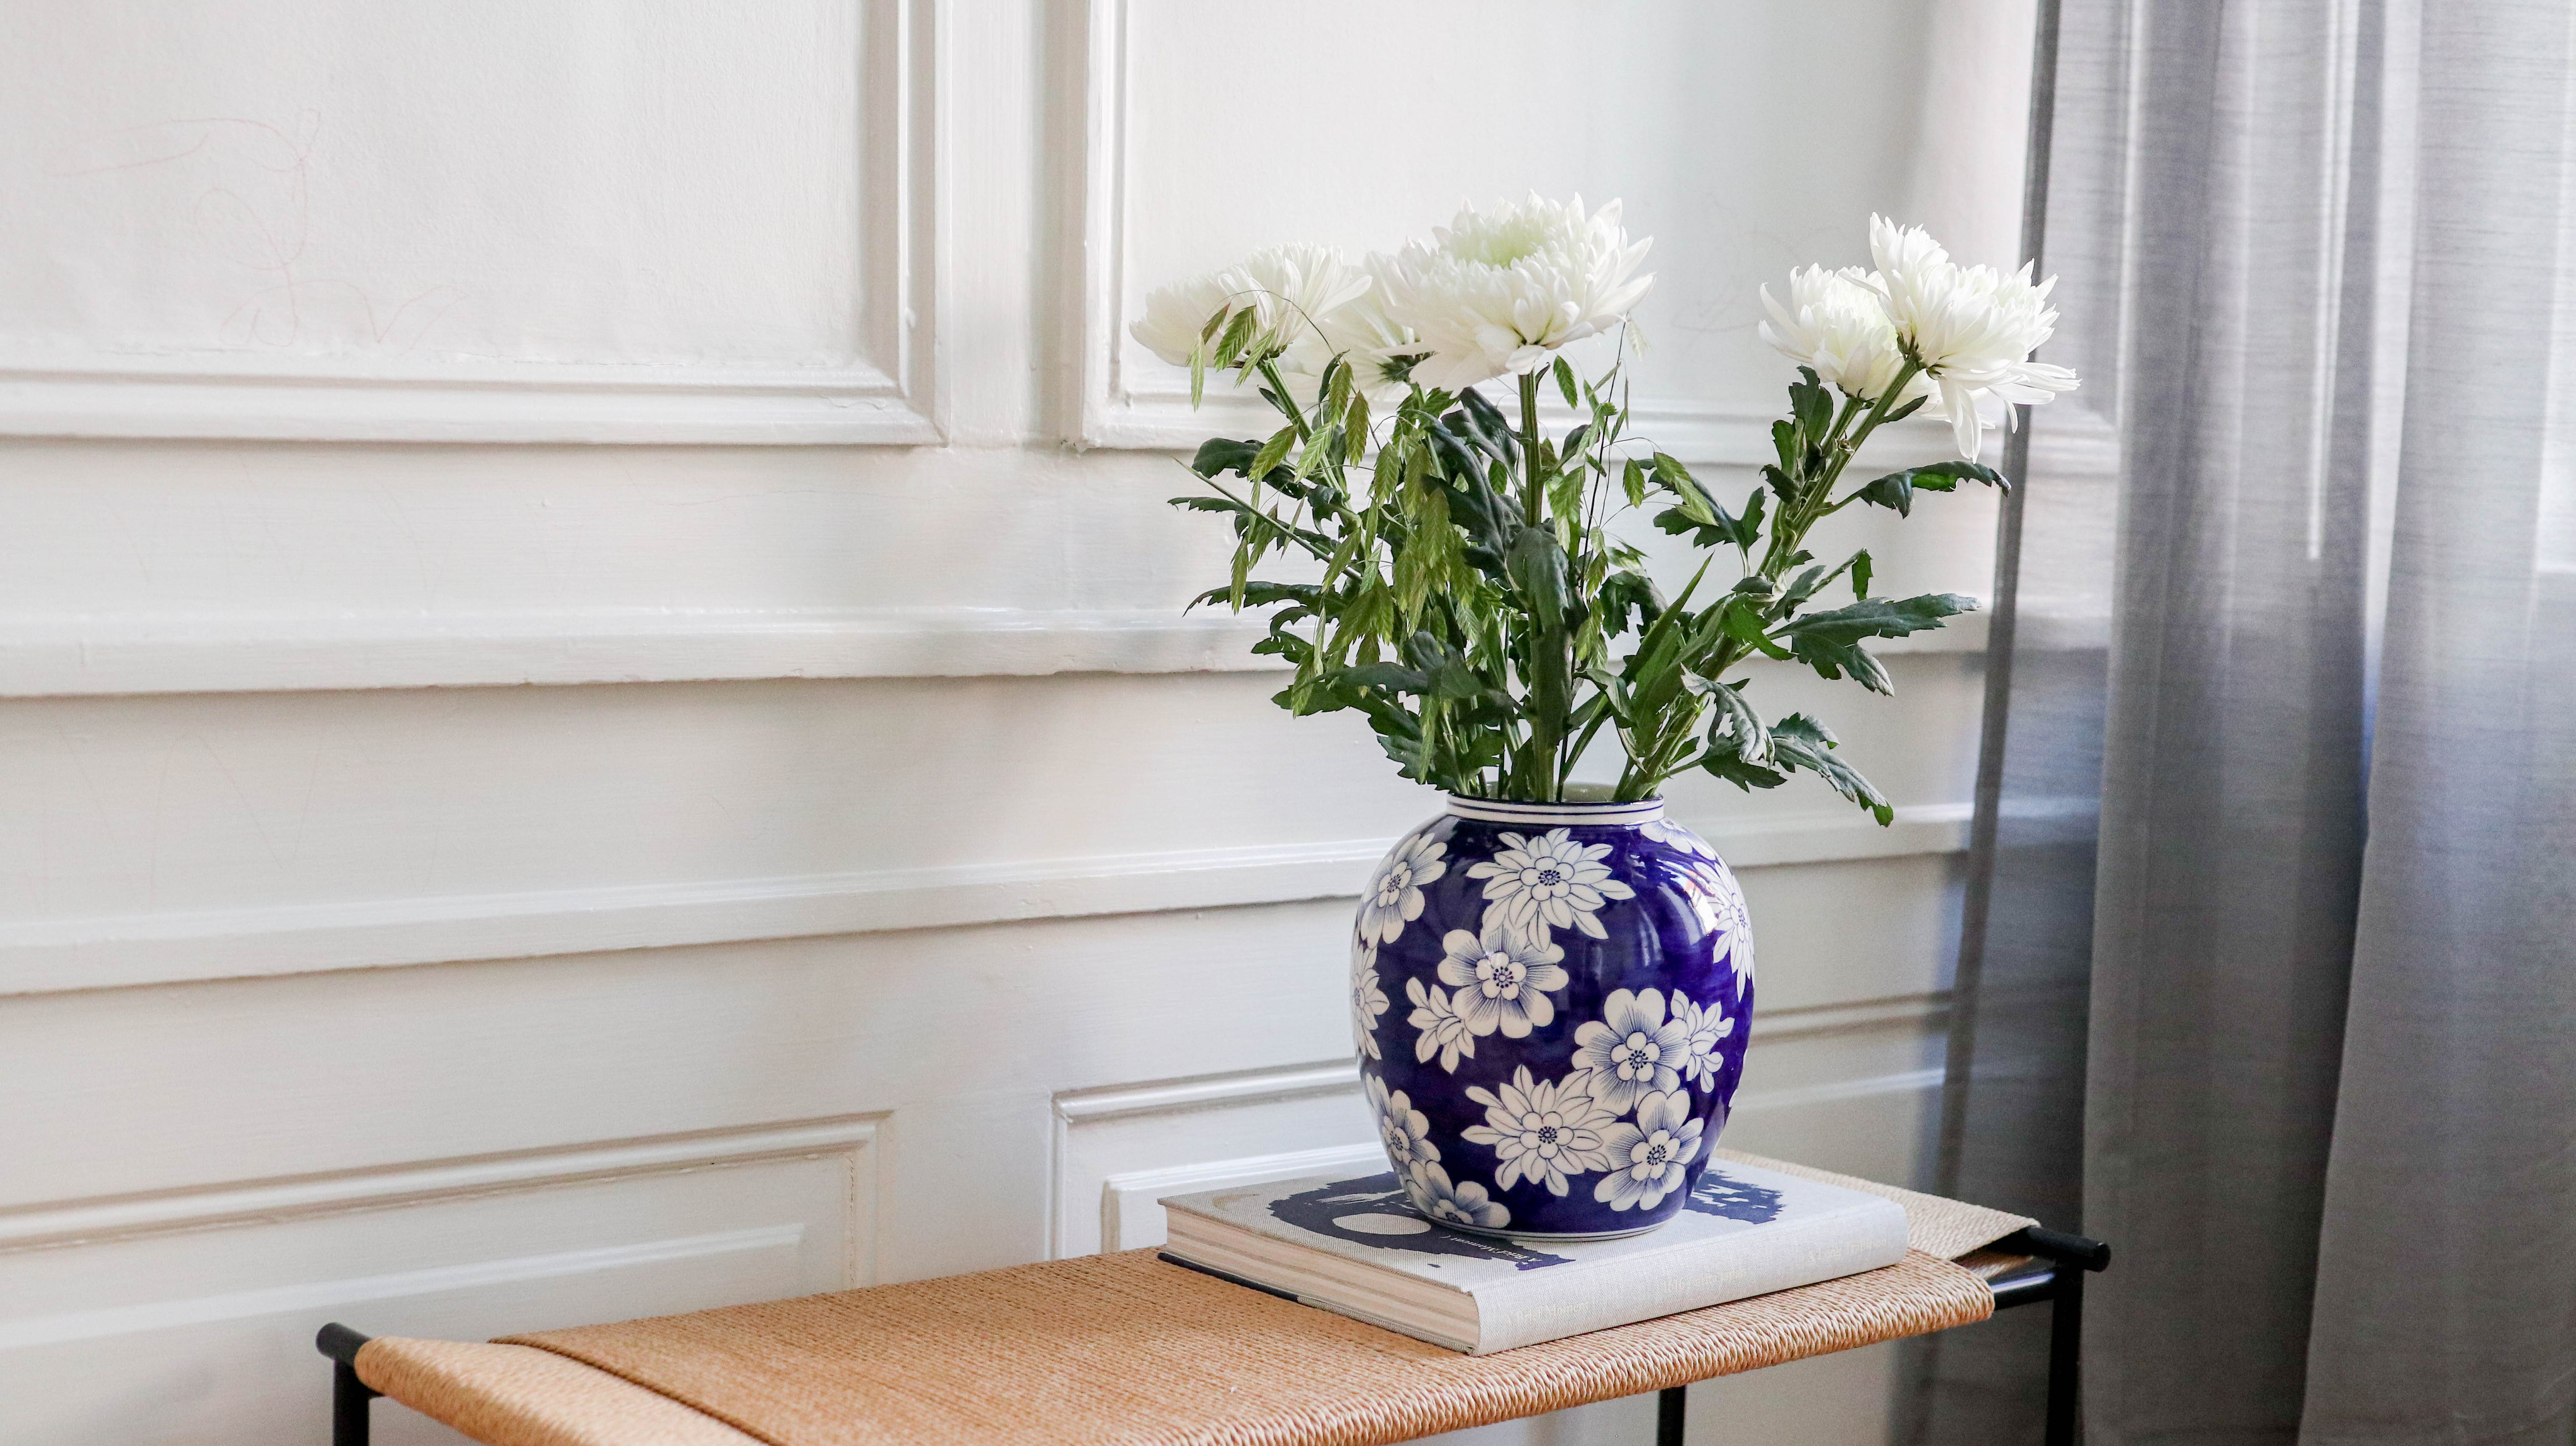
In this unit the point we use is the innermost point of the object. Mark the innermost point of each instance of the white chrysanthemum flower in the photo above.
(1836, 322)
(1498, 291)
(1649, 1158)
(1542, 1130)
(1972, 327)
(1289, 290)
(1503, 979)
(1632, 1051)
(1378, 352)
(1176, 316)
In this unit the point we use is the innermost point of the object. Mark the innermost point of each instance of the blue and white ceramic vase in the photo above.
(1551, 1002)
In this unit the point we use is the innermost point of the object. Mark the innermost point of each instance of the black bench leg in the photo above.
(2065, 1352)
(349, 1398)
(349, 1395)
(1671, 1405)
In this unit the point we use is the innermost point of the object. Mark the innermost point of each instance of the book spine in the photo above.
(1546, 1304)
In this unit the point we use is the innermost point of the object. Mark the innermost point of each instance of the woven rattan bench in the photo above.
(1132, 1349)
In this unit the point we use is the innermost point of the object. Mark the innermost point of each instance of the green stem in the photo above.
(1296, 417)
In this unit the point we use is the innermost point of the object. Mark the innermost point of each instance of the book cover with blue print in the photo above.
(1356, 1247)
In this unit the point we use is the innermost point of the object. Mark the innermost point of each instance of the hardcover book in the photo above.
(1355, 1247)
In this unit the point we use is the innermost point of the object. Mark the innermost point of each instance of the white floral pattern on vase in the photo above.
(1705, 1032)
(1566, 965)
(1394, 897)
(1649, 1158)
(1632, 1050)
(1443, 1032)
(1541, 1130)
(1719, 902)
(1368, 1001)
(1550, 881)
(1464, 1203)
(1400, 1127)
(1674, 835)
(1502, 979)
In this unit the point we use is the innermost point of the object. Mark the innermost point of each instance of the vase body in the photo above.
(1551, 1003)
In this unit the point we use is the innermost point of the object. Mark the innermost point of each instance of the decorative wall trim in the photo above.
(89, 655)
(108, 654)
(1910, 1082)
(1124, 1196)
(1919, 1010)
(50, 955)
(47, 1330)
(885, 397)
(1282, 1082)
(88, 1222)
(1155, 415)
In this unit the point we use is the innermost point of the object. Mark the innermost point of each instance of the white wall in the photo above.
(883, 878)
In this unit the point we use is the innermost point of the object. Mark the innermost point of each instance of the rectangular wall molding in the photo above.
(51, 955)
(885, 396)
(89, 1222)
(1117, 410)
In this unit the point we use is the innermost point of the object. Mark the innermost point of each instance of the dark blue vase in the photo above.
(1552, 1002)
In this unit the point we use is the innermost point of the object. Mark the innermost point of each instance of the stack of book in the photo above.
(1354, 1246)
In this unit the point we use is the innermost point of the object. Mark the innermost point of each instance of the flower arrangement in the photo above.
(1467, 590)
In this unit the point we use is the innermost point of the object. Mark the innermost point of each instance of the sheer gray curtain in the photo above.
(2321, 270)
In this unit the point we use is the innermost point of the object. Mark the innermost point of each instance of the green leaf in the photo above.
(1632, 480)
(1219, 455)
(1537, 567)
(1238, 335)
(1272, 453)
(1565, 384)
(1860, 573)
(1896, 490)
(1799, 741)
(1696, 503)
(1813, 406)
(1744, 731)
(1829, 642)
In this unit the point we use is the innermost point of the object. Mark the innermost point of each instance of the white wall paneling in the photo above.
(886, 878)
(664, 223)
(1164, 191)
(38, 956)
(161, 1325)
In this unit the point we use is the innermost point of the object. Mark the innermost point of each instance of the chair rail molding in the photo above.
(104, 654)
(44, 956)
(887, 395)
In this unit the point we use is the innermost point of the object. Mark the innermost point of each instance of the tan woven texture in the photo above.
(1125, 1350)
(1934, 1225)
(522, 1396)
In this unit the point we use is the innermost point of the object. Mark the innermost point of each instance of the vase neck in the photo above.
(1557, 815)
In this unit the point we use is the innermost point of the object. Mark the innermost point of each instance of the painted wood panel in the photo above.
(496, 843)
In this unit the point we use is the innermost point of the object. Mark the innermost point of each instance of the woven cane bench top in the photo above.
(1127, 1350)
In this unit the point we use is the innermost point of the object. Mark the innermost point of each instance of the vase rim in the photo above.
(1596, 812)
